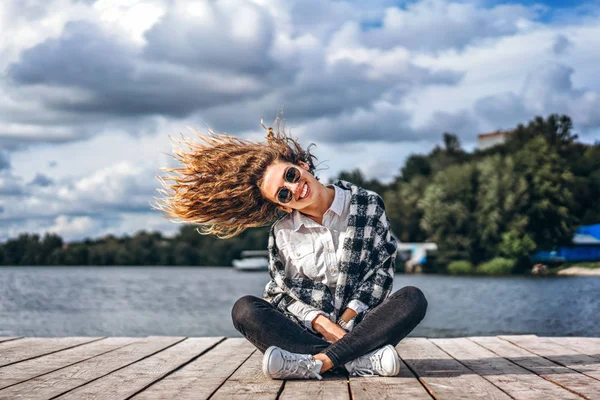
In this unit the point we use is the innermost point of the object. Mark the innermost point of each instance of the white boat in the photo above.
(252, 260)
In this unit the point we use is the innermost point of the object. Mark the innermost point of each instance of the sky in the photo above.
(92, 90)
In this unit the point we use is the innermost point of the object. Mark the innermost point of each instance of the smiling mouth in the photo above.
(304, 192)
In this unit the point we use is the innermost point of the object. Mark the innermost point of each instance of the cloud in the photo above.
(116, 84)
(92, 89)
(10, 186)
(70, 227)
(176, 73)
(4, 160)
(549, 89)
(41, 180)
(561, 44)
(432, 25)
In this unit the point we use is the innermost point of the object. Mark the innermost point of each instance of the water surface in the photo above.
(141, 301)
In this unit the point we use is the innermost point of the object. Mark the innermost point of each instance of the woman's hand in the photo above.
(331, 331)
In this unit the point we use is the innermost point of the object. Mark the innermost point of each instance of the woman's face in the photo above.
(301, 192)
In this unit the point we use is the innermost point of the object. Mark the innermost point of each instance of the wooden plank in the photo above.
(585, 345)
(24, 349)
(516, 381)
(29, 369)
(128, 381)
(200, 378)
(331, 387)
(445, 377)
(249, 383)
(9, 338)
(571, 380)
(65, 379)
(553, 351)
(403, 386)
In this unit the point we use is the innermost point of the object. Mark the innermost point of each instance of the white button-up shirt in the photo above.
(311, 250)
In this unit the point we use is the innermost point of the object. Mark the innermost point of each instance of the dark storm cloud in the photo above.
(41, 180)
(389, 124)
(10, 185)
(85, 58)
(331, 94)
(4, 160)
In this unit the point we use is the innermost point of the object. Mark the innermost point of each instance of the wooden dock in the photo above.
(504, 367)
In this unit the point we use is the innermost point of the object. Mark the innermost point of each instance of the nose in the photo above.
(294, 188)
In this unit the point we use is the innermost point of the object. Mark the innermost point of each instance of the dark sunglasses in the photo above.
(291, 175)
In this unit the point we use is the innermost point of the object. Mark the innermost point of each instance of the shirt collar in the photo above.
(337, 206)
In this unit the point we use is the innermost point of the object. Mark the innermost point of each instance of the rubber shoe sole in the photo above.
(396, 361)
(266, 357)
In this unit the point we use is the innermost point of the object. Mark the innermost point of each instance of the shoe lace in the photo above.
(300, 366)
(365, 366)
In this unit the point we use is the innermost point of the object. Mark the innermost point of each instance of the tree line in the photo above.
(508, 201)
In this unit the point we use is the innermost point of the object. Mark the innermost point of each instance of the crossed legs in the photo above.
(388, 323)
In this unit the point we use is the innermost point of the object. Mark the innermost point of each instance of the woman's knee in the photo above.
(416, 296)
(243, 310)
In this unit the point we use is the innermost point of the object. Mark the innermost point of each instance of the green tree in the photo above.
(549, 221)
(356, 176)
(403, 210)
(448, 212)
(501, 194)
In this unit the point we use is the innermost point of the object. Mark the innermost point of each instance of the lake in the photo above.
(176, 301)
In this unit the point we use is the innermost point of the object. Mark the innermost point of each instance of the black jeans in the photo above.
(388, 323)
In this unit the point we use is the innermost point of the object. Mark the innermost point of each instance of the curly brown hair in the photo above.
(218, 184)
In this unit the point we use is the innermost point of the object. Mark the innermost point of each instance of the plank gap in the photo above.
(280, 392)
(471, 369)
(421, 380)
(230, 375)
(10, 339)
(51, 352)
(178, 368)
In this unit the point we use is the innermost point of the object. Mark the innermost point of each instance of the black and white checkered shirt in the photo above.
(366, 269)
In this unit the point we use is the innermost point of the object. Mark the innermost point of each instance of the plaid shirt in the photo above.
(366, 269)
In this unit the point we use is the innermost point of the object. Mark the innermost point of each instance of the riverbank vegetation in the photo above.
(489, 209)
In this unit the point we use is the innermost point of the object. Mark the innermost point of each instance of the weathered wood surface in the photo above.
(558, 354)
(403, 386)
(24, 349)
(32, 368)
(507, 367)
(202, 377)
(443, 375)
(565, 377)
(516, 381)
(249, 383)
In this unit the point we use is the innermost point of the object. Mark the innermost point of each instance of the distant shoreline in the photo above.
(579, 271)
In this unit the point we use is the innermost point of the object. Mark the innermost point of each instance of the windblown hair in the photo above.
(217, 185)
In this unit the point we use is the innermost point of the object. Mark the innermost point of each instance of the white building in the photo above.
(487, 140)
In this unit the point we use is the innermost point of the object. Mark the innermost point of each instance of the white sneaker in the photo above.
(281, 364)
(383, 362)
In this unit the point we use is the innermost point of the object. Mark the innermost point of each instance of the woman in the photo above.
(331, 255)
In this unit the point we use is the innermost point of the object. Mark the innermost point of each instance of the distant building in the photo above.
(585, 247)
(487, 140)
